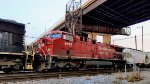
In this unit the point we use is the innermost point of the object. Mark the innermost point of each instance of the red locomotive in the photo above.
(60, 49)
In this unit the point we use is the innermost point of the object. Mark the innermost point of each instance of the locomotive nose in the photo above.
(48, 43)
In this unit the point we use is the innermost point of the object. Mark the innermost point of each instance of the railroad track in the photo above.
(26, 76)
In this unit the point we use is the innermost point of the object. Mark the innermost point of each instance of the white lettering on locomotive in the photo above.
(68, 44)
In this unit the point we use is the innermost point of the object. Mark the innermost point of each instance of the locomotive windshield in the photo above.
(55, 35)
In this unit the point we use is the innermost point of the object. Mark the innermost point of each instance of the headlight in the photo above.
(48, 49)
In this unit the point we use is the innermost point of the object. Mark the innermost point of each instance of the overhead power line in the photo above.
(130, 37)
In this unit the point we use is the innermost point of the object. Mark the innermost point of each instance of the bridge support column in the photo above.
(107, 38)
(92, 36)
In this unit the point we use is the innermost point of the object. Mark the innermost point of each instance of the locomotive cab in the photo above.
(61, 40)
(56, 44)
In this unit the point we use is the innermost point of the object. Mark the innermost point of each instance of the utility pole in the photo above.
(135, 42)
(142, 38)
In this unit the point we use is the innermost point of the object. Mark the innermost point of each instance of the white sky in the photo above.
(42, 14)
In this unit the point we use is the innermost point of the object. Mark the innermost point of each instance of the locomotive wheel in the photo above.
(67, 67)
(77, 67)
(54, 67)
(7, 70)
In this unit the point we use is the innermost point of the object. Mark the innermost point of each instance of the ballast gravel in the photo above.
(98, 79)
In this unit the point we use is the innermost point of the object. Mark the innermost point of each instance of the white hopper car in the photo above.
(136, 56)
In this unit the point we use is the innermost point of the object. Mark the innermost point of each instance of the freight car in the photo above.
(138, 57)
(11, 45)
(63, 50)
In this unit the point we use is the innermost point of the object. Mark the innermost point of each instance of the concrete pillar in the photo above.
(106, 37)
(92, 36)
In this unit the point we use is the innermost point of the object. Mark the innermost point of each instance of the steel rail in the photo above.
(32, 76)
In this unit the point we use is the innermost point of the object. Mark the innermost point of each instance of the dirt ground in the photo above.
(146, 78)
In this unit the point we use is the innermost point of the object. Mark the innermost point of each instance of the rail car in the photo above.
(138, 57)
(12, 57)
(60, 49)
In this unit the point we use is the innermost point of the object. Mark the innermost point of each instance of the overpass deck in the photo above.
(114, 13)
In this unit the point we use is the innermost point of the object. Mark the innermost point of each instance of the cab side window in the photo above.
(68, 37)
